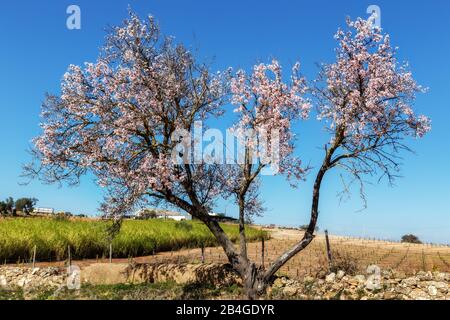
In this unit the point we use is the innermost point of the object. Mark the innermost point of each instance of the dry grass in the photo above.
(357, 254)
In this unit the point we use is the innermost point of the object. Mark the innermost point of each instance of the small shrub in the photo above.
(60, 216)
(344, 262)
(410, 238)
(305, 227)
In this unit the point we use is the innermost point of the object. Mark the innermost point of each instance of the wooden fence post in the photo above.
(203, 253)
(69, 256)
(262, 252)
(330, 258)
(34, 256)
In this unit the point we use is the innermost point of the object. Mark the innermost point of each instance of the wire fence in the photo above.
(407, 258)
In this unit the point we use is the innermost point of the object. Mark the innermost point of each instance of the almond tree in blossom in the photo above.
(120, 118)
(365, 100)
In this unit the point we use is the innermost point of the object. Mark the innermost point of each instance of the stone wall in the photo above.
(387, 285)
(32, 278)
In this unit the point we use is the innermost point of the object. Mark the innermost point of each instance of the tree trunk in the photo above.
(330, 258)
(253, 278)
(223, 241)
(240, 265)
(309, 233)
(253, 281)
(256, 280)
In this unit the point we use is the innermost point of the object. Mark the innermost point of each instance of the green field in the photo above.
(88, 238)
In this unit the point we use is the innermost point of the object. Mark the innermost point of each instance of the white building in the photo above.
(43, 211)
(171, 215)
(160, 214)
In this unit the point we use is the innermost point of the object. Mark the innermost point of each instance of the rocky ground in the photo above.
(389, 285)
(216, 281)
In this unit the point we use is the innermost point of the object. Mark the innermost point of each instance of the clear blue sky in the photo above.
(36, 48)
